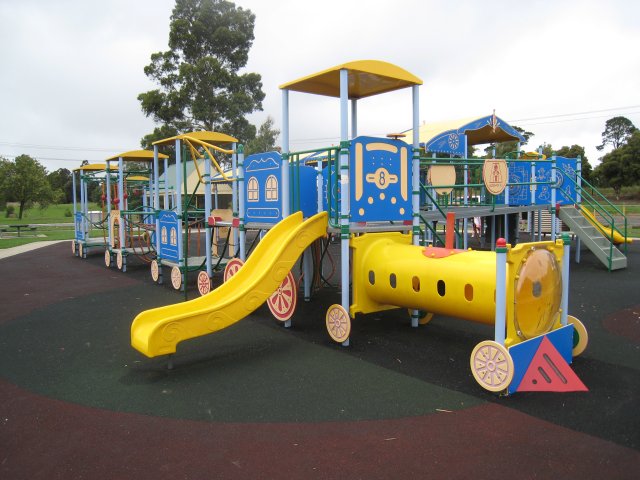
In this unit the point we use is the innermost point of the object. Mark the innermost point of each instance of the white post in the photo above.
(564, 301)
(501, 290)
(579, 180)
(285, 154)
(166, 184)
(241, 192)
(354, 118)
(108, 187)
(344, 191)
(178, 190)
(415, 166)
(207, 213)
(553, 198)
(121, 203)
(156, 195)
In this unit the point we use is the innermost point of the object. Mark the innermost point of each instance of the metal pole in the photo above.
(553, 198)
(241, 188)
(156, 195)
(207, 213)
(344, 191)
(285, 154)
(501, 290)
(564, 301)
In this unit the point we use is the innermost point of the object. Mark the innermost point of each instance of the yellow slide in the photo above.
(158, 331)
(617, 238)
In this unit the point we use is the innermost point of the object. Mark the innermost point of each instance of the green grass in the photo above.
(61, 213)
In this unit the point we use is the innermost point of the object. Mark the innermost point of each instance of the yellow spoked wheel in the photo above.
(119, 260)
(107, 258)
(73, 247)
(492, 366)
(155, 270)
(283, 301)
(231, 268)
(204, 283)
(80, 250)
(580, 336)
(176, 278)
(338, 323)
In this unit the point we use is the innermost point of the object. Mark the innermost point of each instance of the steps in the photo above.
(593, 239)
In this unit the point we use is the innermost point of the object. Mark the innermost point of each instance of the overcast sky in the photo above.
(70, 70)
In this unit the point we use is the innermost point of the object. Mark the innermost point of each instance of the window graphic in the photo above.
(253, 190)
(272, 189)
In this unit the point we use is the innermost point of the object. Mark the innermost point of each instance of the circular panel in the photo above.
(580, 336)
(119, 260)
(283, 302)
(204, 283)
(492, 366)
(441, 175)
(73, 247)
(107, 258)
(338, 323)
(538, 293)
(155, 270)
(176, 278)
(81, 251)
(231, 268)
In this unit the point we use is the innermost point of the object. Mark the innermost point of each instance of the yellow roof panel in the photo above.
(139, 178)
(366, 78)
(91, 167)
(136, 156)
(212, 138)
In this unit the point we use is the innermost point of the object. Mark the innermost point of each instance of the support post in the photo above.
(501, 290)
(344, 192)
(566, 256)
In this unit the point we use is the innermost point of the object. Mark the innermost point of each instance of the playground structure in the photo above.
(90, 226)
(180, 219)
(130, 224)
(389, 201)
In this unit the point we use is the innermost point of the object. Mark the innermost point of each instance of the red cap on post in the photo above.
(501, 243)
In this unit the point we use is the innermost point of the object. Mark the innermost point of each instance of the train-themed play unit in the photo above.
(404, 209)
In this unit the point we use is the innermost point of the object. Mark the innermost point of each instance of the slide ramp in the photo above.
(592, 237)
(157, 331)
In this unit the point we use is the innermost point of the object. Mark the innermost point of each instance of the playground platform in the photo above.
(257, 400)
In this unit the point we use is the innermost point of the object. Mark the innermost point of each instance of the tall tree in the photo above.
(61, 183)
(25, 181)
(575, 151)
(265, 140)
(621, 167)
(617, 131)
(200, 86)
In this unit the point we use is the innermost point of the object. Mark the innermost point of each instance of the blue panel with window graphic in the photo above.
(519, 174)
(263, 188)
(170, 228)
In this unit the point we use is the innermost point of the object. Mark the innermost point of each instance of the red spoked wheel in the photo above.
(204, 283)
(232, 268)
(283, 301)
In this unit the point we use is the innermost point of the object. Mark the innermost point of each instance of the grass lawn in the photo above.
(53, 214)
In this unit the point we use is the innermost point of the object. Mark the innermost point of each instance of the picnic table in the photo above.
(17, 228)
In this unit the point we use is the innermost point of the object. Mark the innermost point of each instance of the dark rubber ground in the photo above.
(260, 401)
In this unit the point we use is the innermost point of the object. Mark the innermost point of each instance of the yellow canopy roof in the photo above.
(212, 138)
(92, 167)
(139, 178)
(136, 156)
(366, 78)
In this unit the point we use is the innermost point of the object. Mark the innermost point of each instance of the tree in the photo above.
(25, 181)
(575, 151)
(265, 140)
(621, 167)
(62, 184)
(198, 79)
(507, 147)
(617, 131)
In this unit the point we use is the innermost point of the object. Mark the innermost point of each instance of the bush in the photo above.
(11, 210)
(67, 213)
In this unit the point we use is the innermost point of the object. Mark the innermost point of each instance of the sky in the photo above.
(71, 70)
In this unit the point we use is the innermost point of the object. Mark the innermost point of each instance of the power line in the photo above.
(577, 113)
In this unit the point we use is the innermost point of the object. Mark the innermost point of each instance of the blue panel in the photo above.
(303, 189)
(523, 353)
(380, 180)
(566, 186)
(331, 204)
(78, 221)
(263, 187)
(519, 172)
(170, 228)
(543, 174)
(450, 142)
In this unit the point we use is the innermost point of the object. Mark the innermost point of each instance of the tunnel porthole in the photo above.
(392, 280)
(441, 288)
(372, 277)
(415, 283)
(468, 292)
